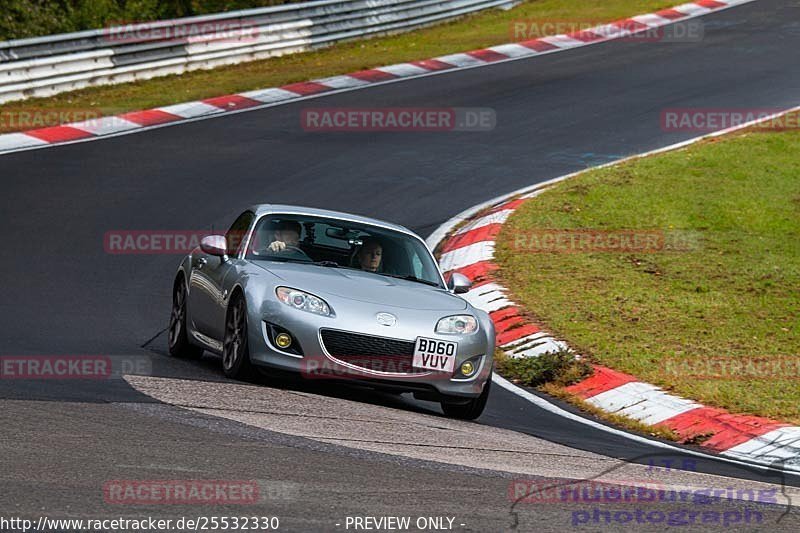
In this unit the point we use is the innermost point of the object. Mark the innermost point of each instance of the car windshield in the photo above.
(331, 242)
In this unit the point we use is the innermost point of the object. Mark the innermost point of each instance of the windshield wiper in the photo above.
(413, 278)
(332, 264)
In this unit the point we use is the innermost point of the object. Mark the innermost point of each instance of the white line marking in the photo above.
(105, 125)
(14, 140)
(548, 344)
(271, 95)
(467, 255)
(654, 20)
(461, 60)
(191, 109)
(641, 401)
(609, 31)
(497, 217)
(342, 82)
(692, 9)
(489, 297)
(777, 445)
(404, 70)
(522, 343)
(513, 50)
(562, 41)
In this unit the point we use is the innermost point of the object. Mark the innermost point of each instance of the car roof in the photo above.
(263, 209)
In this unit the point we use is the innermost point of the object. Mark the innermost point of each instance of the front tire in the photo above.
(235, 349)
(178, 333)
(471, 409)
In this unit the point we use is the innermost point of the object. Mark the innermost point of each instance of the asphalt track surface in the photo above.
(64, 295)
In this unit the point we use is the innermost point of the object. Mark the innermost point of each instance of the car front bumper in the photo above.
(316, 363)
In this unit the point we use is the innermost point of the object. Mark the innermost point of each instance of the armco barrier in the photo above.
(43, 66)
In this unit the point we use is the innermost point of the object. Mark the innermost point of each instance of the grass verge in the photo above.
(714, 318)
(476, 31)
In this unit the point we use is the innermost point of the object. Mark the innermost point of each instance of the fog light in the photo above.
(467, 368)
(283, 340)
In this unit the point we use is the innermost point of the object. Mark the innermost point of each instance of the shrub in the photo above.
(31, 18)
(553, 367)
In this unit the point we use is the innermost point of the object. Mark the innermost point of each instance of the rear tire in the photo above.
(178, 333)
(235, 349)
(471, 409)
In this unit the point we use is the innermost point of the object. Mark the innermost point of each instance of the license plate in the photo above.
(433, 354)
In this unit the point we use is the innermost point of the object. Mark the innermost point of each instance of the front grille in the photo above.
(369, 352)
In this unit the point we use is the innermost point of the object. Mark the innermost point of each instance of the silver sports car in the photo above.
(333, 296)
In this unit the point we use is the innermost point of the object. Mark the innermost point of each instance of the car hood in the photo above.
(363, 286)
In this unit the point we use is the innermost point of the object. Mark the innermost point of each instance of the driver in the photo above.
(286, 234)
(286, 238)
(370, 255)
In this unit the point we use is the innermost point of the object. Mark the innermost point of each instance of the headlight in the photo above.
(457, 325)
(303, 301)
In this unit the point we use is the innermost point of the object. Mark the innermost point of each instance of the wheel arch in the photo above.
(184, 270)
(237, 291)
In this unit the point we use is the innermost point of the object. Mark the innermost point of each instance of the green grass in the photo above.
(476, 31)
(735, 295)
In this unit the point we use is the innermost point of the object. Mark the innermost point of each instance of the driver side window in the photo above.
(238, 232)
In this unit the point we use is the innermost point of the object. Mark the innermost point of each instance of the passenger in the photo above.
(370, 255)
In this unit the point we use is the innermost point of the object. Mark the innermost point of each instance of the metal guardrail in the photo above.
(43, 66)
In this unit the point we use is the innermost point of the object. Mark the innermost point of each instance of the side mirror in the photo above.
(459, 283)
(214, 245)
